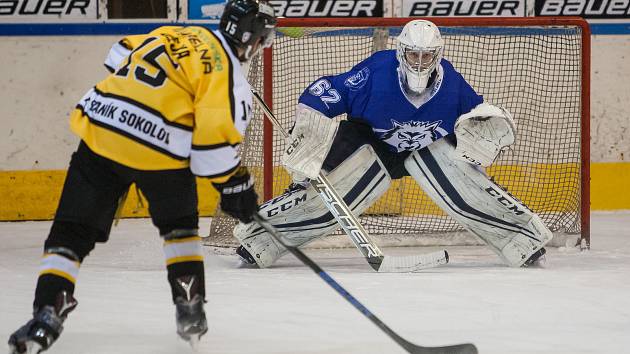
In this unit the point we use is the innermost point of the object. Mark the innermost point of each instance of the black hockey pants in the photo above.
(353, 134)
(89, 201)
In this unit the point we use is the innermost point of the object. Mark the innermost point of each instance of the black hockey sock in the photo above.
(180, 270)
(48, 287)
(59, 269)
(184, 258)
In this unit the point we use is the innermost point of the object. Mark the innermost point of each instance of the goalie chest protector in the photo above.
(371, 93)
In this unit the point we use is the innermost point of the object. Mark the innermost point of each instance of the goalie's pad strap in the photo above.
(464, 192)
(301, 216)
(311, 139)
(482, 133)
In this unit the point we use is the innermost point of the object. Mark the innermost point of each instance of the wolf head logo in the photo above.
(410, 136)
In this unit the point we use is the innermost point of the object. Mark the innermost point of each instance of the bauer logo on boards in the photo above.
(48, 9)
(503, 8)
(328, 8)
(584, 8)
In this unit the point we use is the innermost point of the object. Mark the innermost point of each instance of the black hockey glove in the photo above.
(238, 197)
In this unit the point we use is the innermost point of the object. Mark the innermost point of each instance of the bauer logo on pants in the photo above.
(328, 8)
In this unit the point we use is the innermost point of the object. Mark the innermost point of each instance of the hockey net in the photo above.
(537, 68)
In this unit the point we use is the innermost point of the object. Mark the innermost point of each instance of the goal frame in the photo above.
(451, 22)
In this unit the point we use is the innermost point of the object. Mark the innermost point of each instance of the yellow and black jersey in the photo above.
(177, 97)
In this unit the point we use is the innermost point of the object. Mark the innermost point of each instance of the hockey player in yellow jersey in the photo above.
(175, 106)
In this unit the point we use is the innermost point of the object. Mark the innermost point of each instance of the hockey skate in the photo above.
(38, 334)
(246, 258)
(535, 260)
(189, 313)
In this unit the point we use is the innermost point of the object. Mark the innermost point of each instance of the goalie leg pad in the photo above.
(463, 191)
(301, 216)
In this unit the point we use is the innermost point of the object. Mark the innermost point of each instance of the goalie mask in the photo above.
(419, 49)
(248, 25)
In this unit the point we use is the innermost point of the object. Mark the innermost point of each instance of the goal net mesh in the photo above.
(534, 72)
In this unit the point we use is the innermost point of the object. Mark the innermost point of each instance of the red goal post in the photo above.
(538, 68)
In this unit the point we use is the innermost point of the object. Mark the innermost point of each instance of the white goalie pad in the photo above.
(301, 216)
(463, 191)
(309, 143)
(482, 133)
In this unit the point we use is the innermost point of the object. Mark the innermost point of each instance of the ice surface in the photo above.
(578, 303)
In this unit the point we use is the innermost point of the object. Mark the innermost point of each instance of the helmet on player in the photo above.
(419, 49)
(248, 25)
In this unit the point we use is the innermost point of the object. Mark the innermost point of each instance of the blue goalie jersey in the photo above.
(371, 93)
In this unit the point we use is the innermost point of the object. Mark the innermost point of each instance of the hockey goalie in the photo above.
(410, 113)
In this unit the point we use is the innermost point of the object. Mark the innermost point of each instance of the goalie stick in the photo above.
(467, 348)
(353, 228)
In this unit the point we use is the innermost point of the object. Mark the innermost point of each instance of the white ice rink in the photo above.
(578, 303)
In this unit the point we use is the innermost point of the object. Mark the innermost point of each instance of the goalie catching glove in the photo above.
(482, 133)
(238, 197)
(310, 142)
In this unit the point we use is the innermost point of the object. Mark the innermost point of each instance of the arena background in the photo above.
(52, 52)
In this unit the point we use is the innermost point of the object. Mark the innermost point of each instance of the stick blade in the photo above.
(466, 348)
(194, 343)
(413, 263)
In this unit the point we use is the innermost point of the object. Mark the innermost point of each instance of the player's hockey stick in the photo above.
(467, 348)
(353, 227)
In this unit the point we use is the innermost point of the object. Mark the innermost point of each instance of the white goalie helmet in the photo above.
(419, 49)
